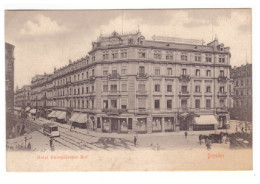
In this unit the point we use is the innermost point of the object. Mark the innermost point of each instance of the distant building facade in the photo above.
(242, 77)
(9, 83)
(22, 96)
(129, 84)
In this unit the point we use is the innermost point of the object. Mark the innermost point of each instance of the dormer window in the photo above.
(184, 57)
(221, 59)
(130, 41)
(141, 54)
(197, 58)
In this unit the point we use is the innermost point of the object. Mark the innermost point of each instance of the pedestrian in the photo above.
(29, 146)
(158, 147)
(208, 144)
(71, 127)
(81, 145)
(200, 138)
(186, 134)
(135, 140)
(51, 143)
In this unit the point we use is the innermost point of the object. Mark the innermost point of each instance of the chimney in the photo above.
(70, 62)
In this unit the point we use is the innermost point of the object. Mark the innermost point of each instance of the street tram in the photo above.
(51, 130)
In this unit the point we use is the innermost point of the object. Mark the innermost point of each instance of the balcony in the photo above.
(184, 94)
(113, 76)
(222, 94)
(142, 111)
(222, 79)
(113, 111)
(142, 76)
(92, 78)
(184, 78)
(141, 93)
(221, 110)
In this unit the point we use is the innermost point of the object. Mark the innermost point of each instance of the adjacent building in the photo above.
(22, 96)
(9, 84)
(129, 84)
(242, 77)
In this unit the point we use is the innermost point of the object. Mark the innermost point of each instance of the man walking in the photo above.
(135, 140)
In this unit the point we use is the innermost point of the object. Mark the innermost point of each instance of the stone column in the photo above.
(163, 124)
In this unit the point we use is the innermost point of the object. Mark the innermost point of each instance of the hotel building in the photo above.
(129, 84)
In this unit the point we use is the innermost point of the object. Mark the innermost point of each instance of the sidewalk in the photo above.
(121, 135)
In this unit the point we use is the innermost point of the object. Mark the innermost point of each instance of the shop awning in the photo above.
(205, 120)
(82, 118)
(27, 108)
(62, 115)
(33, 111)
(52, 114)
(56, 115)
(74, 116)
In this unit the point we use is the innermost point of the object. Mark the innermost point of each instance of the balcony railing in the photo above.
(184, 93)
(113, 111)
(144, 92)
(221, 110)
(113, 76)
(222, 79)
(142, 111)
(222, 94)
(92, 78)
(142, 76)
(184, 78)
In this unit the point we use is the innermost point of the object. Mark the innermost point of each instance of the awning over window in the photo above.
(74, 117)
(205, 120)
(62, 115)
(82, 118)
(52, 114)
(33, 111)
(56, 115)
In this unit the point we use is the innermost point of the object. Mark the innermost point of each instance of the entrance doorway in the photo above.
(184, 125)
(114, 125)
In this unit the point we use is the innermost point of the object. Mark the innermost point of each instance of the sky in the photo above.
(47, 39)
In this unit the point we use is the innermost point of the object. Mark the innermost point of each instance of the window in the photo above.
(123, 103)
(130, 41)
(183, 104)
(93, 58)
(93, 72)
(141, 54)
(87, 104)
(87, 90)
(157, 88)
(208, 59)
(113, 88)
(184, 58)
(82, 90)
(92, 102)
(242, 92)
(123, 71)
(157, 71)
(221, 60)
(79, 104)
(141, 70)
(169, 71)
(208, 103)
(197, 72)
(208, 89)
(222, 89)
(184, 71)
(93, 89)
(82, 104)
(242, 83)
(197, 103)
(129, 123)
(169, 104)
(82, 76)
(124, 87)
(105, 71)
(78, 91)
(169, 88)
(105, 88)
(221, 73)
(169, 57)
(221, 103)
(141, 103)
(157, 104)
(105, 56)
(197, 88)
(124, 54)
(157, 56)
(197, 58)
(113, 103)
(105, 104)
(184, 89)
(114, 55)
(208, 73)
(78, 76)
(114, 73)
(141, 87)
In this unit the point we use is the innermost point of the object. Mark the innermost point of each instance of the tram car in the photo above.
(51, 130)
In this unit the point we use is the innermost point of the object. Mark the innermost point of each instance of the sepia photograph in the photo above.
(129, 90)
